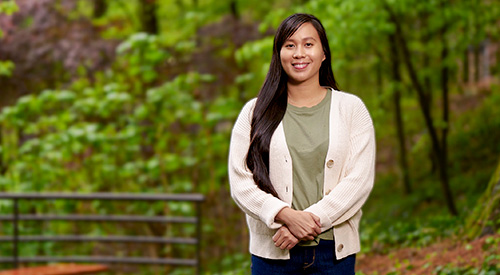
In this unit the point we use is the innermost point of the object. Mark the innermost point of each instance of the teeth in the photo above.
(300, 66)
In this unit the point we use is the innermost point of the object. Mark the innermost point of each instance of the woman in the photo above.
(301, 160)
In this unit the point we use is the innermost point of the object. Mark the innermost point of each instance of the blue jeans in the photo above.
(309, 260)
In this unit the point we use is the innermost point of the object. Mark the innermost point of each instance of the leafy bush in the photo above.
(118, 134)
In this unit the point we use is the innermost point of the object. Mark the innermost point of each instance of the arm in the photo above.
(252, 200)
(347, 198)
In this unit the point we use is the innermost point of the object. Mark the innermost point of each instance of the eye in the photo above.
(289, 45)
(309, 44)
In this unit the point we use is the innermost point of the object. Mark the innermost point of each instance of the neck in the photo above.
(306, 94)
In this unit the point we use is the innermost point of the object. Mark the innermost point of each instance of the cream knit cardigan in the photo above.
(349, 175)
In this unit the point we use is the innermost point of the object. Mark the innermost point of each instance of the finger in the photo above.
(317, 230)
(308, 238)
(316, 219)
(286, 243)
(277, 235)
(278, 242)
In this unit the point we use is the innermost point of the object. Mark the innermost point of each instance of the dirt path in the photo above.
(425, 260)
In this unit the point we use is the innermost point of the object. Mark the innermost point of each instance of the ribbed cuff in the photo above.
(317, 210)
(270, 209)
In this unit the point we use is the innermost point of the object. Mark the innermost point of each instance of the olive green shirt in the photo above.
(307, 132)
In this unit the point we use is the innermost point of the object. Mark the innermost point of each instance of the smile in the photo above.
(300, 65)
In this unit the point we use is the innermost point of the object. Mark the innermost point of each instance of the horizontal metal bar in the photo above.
(103, 218)
(77, 238)
(105, 196)
(103, 260)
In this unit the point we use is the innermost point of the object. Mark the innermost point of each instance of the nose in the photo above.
(299, 52)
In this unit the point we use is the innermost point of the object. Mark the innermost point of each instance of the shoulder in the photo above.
(347, 102)
(346, 98)
(352, 109)
(250, 105)
(245, 117)
(247, 110)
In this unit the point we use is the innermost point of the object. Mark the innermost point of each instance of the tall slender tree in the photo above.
(398, 116)
(148, 17)
(425, 106)
(100, 8)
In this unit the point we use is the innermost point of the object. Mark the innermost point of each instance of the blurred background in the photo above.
(140, 96)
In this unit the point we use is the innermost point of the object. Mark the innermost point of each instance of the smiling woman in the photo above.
(301, 160)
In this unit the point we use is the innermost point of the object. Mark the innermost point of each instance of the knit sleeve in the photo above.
(251, 199)
(356, 183)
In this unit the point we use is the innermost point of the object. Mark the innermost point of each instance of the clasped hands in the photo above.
(297, 226)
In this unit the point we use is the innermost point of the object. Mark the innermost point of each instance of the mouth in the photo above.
(300, 66)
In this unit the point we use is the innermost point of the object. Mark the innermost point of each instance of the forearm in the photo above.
(251, 199)
(246, 194)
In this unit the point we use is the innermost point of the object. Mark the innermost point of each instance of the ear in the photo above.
(324, 57)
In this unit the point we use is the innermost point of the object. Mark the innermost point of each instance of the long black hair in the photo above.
(272, 99)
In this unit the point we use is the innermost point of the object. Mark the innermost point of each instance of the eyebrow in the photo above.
(305, 38)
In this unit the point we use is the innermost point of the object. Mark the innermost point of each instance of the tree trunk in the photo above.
(477, 64)
(100, 8)
(466, 67)
(443, 158)
(149, 20)
(426, 60)
(485, 219)
(379, 76)
(233, 7)
(445, 94)
(396, 75)
(426, 111)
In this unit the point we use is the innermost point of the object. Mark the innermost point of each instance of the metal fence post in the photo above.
(16, 234)
(198, 236)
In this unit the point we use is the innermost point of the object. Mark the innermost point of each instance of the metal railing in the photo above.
(17, 238)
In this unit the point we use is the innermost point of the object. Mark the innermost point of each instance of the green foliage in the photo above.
(6, 68)
(144, 53)
(107, 136)
(8, 7)
(118, 134)
(256, 71)
(417, 232)
(236, 264)
(489, 267)
(120, 21)
(419, 219)
(477, 131)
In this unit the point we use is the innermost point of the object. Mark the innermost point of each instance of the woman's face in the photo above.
(302, 55)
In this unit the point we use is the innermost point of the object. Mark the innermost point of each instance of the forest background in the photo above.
(140, 96)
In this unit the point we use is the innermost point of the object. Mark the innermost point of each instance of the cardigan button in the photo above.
(340, 247)
(330, 163)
